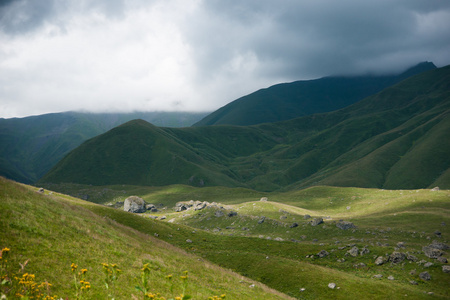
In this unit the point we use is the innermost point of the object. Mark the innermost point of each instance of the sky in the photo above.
(194, 55)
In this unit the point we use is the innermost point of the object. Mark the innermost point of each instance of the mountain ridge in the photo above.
(299, 98)
(408, 121)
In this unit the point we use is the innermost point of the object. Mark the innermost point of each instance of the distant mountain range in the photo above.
(31, 146)
(300, 98)
(398, 138)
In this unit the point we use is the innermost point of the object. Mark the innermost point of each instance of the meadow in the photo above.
(238, 256)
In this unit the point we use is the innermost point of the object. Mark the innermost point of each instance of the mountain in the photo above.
(300, 98)
(31, 146)
(398, 138)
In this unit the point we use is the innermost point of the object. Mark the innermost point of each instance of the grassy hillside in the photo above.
(48, 232)
(31, 146)
(300, 98)
(287, 258)
(397, 139)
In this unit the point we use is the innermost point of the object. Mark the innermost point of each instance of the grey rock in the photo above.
(323, 253)
(442, 260)
(306, 217)
(134, 204)
(188, 241)
(261, 220)
(439, 245)
(401, 244)
(364, 250)
(425, 276)
(378, 276)
(41, 190)
(413, 282)
(232, 214)
(316, 221)
(293, 225)
(446, 269)
(219, 213)
(332, 285)
(149, 206)
(435, 189)
(411, 257)
(427, 265)
(390, 277)
(344, 225)
(264, 199)
(283, 217)
(397, 257)
(380, 260)
(432, 252)
(353, 251)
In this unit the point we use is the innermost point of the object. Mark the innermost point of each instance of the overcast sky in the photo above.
(194, 55)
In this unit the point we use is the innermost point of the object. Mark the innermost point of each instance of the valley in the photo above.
(299, 261)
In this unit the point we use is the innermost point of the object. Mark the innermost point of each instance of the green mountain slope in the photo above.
(397, 138)
(47, 232)
(300, 98)
(31, 146)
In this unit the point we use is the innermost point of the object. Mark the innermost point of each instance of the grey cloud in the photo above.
(316, 38)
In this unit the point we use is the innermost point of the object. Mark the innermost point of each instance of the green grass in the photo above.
(276, 254)
(52, 231)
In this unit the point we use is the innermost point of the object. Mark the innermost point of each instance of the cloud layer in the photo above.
(118, 55)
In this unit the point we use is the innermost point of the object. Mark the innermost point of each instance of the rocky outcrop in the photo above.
(134, 204)
(316, 221)
(344, 225)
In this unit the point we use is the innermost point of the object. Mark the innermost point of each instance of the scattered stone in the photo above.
(306, 217)
(41, 190)
(390, 277)
(344, 225)
(219, 213)
(261, 220)
(446, 269)
(437, 233)
(188, 241)
(438, 245)
(380, 260)
(323, 253)
(163, 218)
(149, 206)
(411, 257)
(181, 206)
(413, 272)
(442, 260)
(332, 285)
(432, 252)
(353, 251)
(264, 199)
(134, 204)
(397, 257)
(316, 221)
(348, 207)
(232, 214)
(283, 217)
(413, 282)
(302, 289)
(435, 189)
(251, 286)
(378, 276)
(278, 239)
(443, 224)
(427, 265)
(293, 225)
(401, 244)
(425, 276)
(364, 250)
(155, 234)
(359, 265)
